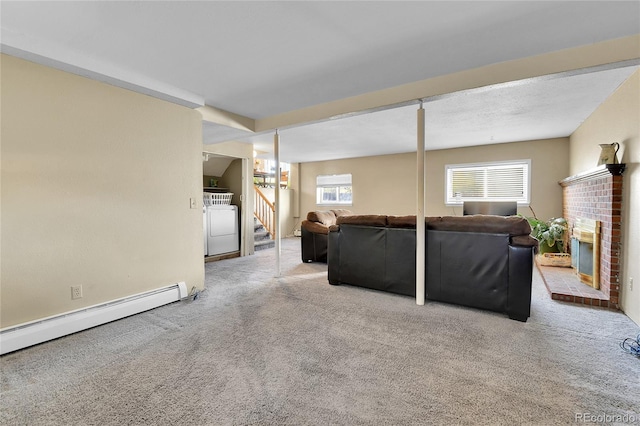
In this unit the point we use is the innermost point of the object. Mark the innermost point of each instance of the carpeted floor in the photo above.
(294, 350)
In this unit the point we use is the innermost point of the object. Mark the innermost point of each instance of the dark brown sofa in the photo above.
(315, 231)
(479, 261)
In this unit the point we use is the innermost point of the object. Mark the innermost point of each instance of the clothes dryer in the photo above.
(222, 225)
(205, 230)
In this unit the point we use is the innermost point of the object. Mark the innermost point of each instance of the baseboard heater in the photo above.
(39, 331)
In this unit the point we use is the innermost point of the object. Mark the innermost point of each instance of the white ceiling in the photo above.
(531, 111)
(260, 59)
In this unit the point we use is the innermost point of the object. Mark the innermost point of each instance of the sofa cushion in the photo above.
(408, 221)
(401, 221)
(341, 212)
(364, 220)
(512, 225)
(327, 218)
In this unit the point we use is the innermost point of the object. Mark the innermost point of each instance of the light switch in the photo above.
(193, 202)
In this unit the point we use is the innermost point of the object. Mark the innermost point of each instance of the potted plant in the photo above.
(552, 236)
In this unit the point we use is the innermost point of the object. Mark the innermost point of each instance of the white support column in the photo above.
(276, 153)
(420, 225)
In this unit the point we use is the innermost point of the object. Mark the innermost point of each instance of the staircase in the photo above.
(264, 213)
(261, 237)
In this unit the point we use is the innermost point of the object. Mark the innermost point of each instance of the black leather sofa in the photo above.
(315, 231)
(478, 261)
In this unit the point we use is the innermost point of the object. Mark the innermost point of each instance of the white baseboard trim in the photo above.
(31, 333)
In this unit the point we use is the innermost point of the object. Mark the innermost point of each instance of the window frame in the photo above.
(524, 200)
(338, 185)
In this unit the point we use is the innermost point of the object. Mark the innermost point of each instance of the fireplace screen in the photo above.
(585, 251)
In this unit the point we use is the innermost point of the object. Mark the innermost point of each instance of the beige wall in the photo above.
(549, 164)
(232, 179)
(381, 185)
(618, 120)
(387, 184)
(96, 183)
(231, 149)
(288, 221)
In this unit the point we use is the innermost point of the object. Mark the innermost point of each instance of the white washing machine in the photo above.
(222, 228)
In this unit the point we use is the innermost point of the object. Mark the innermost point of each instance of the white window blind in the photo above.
(334, 189)
(500, 181)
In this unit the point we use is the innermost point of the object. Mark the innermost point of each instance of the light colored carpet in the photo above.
(294, 350)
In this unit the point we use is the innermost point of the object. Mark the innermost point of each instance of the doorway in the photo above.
(224, 180)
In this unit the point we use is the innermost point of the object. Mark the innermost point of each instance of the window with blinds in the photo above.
(334, 189)
(500, 181)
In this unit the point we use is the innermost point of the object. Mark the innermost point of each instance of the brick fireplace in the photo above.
(597, 194)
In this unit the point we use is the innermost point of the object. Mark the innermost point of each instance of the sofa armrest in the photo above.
(326, 218)
(314, 227)
(520, 277)
(314, 246)
(525, 241)
(333, 256)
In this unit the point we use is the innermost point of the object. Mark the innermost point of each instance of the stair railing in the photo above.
(265, 211)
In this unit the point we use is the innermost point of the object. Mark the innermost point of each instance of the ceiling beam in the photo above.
(226, 118)
(589, 56)
(43, 52)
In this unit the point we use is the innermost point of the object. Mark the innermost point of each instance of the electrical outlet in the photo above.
(193, 203)
(631, 284)
(76, 292)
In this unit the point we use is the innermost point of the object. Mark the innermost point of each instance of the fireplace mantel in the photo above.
(595, 173)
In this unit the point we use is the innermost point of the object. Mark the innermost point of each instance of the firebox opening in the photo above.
(585, 251)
